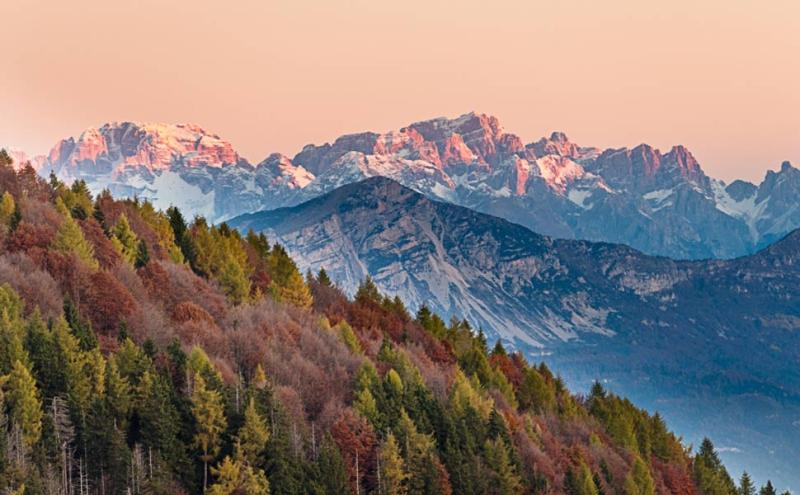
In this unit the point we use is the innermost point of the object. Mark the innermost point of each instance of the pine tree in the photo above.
(142, 255)
(24, 404)
(234, 281)
(767, 489)
(746, 486)
(252, 437)
(332, 471)
(124, 239)
(506, 480)
(639, 480)
(5, 158)
(70, 239)
(323, 279)
(584, 481)
(368, 291)
(209, 415)
(392, 468)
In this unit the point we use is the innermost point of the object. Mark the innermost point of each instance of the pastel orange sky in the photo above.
(722, 77)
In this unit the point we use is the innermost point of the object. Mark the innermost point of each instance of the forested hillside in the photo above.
(144, 353)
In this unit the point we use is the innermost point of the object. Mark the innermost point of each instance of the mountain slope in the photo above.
(661, 330)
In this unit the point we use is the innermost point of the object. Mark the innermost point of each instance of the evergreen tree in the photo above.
(331, 468)
(639, 480)
(81, 329)
(70, 239)
(15, 219)
(767, 489)
(506, 480)
(142, 255)
(368, 291)
(323, 279)
(709, 473)
(5, 158)
(182, 238)
(746, 486)
(210, 422)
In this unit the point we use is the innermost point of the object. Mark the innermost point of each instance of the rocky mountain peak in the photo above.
(134, 145)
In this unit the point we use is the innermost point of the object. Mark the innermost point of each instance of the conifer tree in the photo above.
(5, 158)
(746, 486)
(70, 239)
(124, 239)
(323, 279)
(295, 291)
(368, 291)
(235, 477)
(234, 281)
(392, 468)
(506, 480)
(7, 207)
(210, 422)
(767, 489)
(580, 483)
(252, 437)
(142, 255)
(639, 480)
(24, 403)
(15, 219)
(331, 469)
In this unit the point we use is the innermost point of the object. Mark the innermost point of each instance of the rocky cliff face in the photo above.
(178, 164)
(660, 203)
(701, 341)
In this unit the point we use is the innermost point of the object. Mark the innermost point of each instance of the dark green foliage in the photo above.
(142, 255)
(80, 328)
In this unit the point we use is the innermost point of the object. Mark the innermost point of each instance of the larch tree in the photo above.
(234, 477)
(233, 280)
(252, 437)
(24, 403)
(70, 239)
(209, 414)
(7, 207)
(639, 480)
(124, 239)
(295, 291)
(391, 468)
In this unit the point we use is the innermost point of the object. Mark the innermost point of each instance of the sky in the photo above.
(721, 77)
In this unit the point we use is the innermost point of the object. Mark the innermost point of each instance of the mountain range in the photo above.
(712, 344)
(567, 252)
(659, 203)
